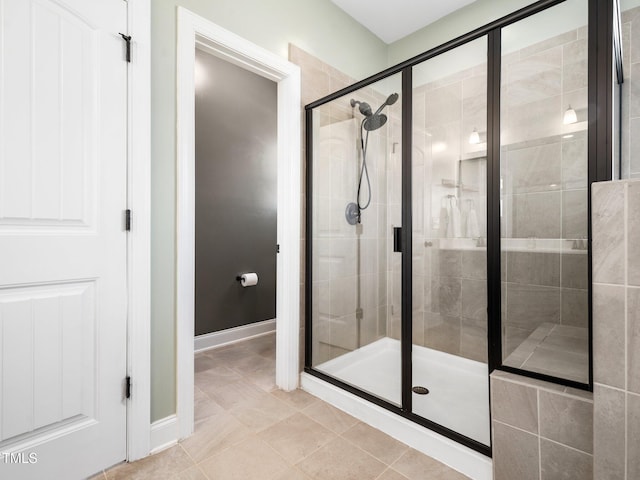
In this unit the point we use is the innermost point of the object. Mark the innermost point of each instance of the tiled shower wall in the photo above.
(544, 191)
(449, 282)
(616, 329)
(349, 269)
(540, 430)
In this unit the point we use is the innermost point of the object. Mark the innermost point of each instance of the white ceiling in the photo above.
(391, 20)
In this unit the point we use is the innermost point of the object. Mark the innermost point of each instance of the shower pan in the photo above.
(448, 225)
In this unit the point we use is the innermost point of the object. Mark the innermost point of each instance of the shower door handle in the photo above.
(397, 239)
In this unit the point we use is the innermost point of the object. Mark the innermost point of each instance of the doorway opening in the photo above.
(197, 32)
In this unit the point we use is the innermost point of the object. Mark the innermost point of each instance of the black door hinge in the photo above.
(127, 220)
(278, 248)
(127, 39)
(127, 393)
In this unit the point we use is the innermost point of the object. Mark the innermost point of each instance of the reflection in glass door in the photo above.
(449, 253)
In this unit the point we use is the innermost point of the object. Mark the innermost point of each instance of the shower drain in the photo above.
(420, 390)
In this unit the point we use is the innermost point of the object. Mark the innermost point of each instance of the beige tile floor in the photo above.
(247, 429)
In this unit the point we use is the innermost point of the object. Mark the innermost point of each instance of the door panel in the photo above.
(356, 197)
(62, 197)
(449, 256)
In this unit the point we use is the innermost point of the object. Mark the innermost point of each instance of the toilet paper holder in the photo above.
(249, 279)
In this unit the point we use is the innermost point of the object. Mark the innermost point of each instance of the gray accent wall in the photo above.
(236, 196)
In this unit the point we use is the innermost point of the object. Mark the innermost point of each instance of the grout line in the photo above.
(567, 446)
(626, 328)
(516, 428)
(609, 284)
(540, 387)
(617, 389)
(202, 472)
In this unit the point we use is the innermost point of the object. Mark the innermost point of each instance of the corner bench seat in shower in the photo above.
(457, 386)
(556, 350)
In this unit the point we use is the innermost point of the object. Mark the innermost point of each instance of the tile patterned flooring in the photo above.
(247, 429)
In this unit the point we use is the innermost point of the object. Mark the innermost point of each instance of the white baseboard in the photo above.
(463, 459)
(164, 433)
(233, 335)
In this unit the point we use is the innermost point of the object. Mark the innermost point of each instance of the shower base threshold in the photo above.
(458, 399)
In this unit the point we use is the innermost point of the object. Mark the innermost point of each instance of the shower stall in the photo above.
(448, 220)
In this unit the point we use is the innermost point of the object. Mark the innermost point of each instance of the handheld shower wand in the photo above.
(372, 121)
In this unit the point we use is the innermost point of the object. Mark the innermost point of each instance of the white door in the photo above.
(63, 125)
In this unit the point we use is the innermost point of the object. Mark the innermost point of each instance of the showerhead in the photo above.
(364, 107)
(391, 99)
(374, 121)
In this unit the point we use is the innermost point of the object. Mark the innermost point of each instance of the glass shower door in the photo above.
(355, 188)
(449, 255)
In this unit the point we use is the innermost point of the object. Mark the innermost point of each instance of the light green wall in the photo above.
(453, 25)
(316, 26)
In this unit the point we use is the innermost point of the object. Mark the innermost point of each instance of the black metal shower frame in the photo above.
(601, 56)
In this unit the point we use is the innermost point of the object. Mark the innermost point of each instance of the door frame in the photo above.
(139, 237)
(194, 30)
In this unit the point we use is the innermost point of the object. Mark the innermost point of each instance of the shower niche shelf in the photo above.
(448, 183)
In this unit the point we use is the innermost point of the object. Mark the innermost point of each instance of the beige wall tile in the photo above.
(633, 436)
(474, 264)
(574, 213)
(518, 456)
(529, 305)
(473, 339)
(633, 212)
(574, 163)
(608, 335)
(567, 420)
(575, 307)
(536, 214)
(474, 299)
(532, 169)
(514, 404)
(561, 463)
(608, 433)
(633, 339)
(608, 232)
(533, 268)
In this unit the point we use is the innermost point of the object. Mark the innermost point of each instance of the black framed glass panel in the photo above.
(544, 193)
(449, 231)
(356, 183)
